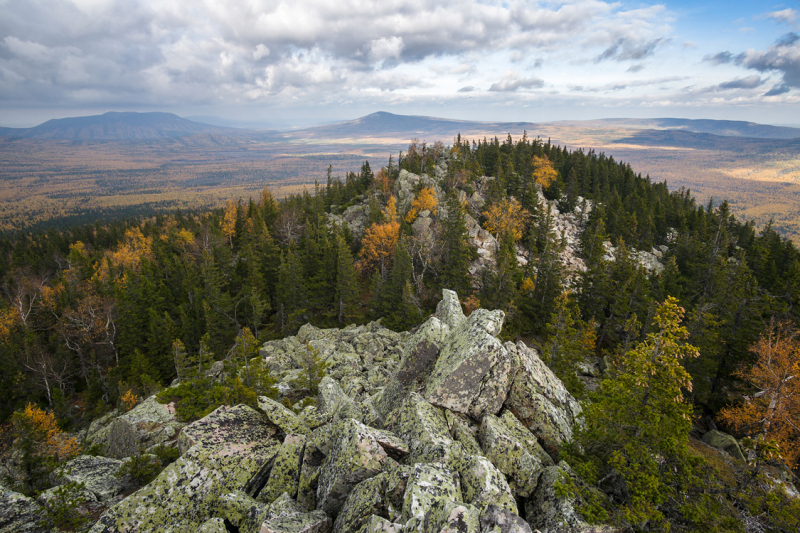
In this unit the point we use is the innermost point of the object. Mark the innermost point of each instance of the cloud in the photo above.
(636, 68)
(720, 58)
(624, 50)
(621, 86)
(786, 16)
(512, 82)
(782, 57)
(777, 90)
(467, 89)
(750, 82)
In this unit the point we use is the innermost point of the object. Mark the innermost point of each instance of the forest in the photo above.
(94, 315)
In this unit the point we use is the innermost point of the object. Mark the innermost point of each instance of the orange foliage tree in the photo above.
(544, 173)
(506, 217)
(377, 248)
(771, 416)
(425, 200)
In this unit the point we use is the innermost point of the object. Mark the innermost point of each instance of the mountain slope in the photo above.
(114, 126)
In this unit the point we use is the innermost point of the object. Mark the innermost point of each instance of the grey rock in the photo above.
(213, 525)
(377, 524)
(541, 402)
(448, 310)
(482, 483)
(356, 456)
(513, 454)
(18, 513)
(472, 373)
(430, 489)
(97, 474)
(146, 425)
(309, 476)
(284, 477)
(424, 427)
(724, 442)
(282, 417)
(496, 519)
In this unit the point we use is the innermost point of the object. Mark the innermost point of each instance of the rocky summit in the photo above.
(441, 429)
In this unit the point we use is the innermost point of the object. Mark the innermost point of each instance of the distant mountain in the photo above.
(725, 128)
(116, 126)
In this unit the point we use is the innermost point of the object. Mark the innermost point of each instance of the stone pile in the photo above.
(442, 429)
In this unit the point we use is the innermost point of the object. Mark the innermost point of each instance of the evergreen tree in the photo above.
(291, 289)
(347, 290)
(456, 252)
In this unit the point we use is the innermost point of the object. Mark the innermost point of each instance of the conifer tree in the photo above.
(456, 253)
(347, 290)
(291, 292)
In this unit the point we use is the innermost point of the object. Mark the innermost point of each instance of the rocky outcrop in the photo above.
(18, 513)
(96, 474)
(436, 430)
(147, 425)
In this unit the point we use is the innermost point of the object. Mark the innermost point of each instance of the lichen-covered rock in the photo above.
(541, 402)
(520, 459)
(331, 397)
(231, 452)
(97, 474)
(430, 490)
(282, 417)
(213, 525)
(482, 483)
(377, 524)
(448, 310)
(309, 476)
(495, 519)
(18, 513)
(381, 495)
(424, 427)
(459, 518)
(284, 476)
(724, 442)
(463, 434)
(146, 425)
(313, 522)
(472, 373)
(550, 513)
(356, 456)
(240, 510)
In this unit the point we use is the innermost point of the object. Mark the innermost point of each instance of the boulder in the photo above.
(381, 495)
(473, 371)
(97, 474)
(356, 456)
(282, 417)
(425, 428)
(145, 426)
(309, 476)
(724, 442)
(541, 402)
(213, 525)
(230, 450)
(430, 490)
(376, 524)
(331, 397)
(515, 455)
(482, 484)
(457, 518)
(18, 513)
(284, 476)
(241, 511)
(448, 310)
(547, 512)
(496, 519)
(313, 522)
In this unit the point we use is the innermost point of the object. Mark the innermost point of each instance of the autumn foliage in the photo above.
(543, 172)
(425, 200)
(506, 217)
(772, 414)
(377, 247)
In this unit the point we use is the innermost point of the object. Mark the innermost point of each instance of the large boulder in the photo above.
(282, 417)
(228, 450)
(284, 477)
(515, 453)
(97, 474)
(482, 484)
(473, 371)
(18, 513)
(449, 311)
(147, 425)
(724, 442)
(496, 519)
(430, 491)
(425, 428)
(381, 495)
(540, 401)
(356, 456)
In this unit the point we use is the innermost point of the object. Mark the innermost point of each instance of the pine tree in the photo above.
(291, 292)
(456, 252)
(347, 290)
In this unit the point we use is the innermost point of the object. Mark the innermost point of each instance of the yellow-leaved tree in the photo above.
(544, 173)
(506, 218)
(425, 201)
(771, 415)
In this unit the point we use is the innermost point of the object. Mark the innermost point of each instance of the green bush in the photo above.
(62, 510)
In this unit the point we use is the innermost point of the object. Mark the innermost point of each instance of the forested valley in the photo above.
(97, 317)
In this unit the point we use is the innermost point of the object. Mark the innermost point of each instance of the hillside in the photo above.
(115, 126)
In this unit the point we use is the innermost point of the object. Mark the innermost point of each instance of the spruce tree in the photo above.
(347, 290)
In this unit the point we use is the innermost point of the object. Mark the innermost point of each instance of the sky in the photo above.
(303, 62)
